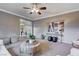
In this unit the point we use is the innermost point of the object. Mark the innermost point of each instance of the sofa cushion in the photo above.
(1, 42)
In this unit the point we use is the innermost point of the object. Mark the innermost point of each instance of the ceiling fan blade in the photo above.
(26, 8)
(30, 12)
(42, 8)
(39, 13)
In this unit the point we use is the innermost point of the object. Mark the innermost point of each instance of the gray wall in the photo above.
(71, 32)
(9, 25)
(71, 29)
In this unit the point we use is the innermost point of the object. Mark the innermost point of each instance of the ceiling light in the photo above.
(37, 10)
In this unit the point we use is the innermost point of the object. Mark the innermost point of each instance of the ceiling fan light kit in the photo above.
(35, 8)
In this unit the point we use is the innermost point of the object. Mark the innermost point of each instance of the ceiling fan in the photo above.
(35, 8)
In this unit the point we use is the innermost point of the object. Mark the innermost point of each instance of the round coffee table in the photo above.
(27, 48)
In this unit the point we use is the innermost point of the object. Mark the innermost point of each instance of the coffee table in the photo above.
(26, 49)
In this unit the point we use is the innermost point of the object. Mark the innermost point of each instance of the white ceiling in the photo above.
(53, 9)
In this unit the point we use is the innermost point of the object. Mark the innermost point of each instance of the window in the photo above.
(25, 27)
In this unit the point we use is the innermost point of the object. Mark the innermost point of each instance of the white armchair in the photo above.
(76, 43)
(74, 52)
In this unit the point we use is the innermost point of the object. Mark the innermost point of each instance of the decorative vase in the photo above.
(30, 41)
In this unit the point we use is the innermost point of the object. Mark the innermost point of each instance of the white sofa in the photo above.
(75, 50)
(3, 50)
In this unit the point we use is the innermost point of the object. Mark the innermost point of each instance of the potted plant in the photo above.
(32, 38)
